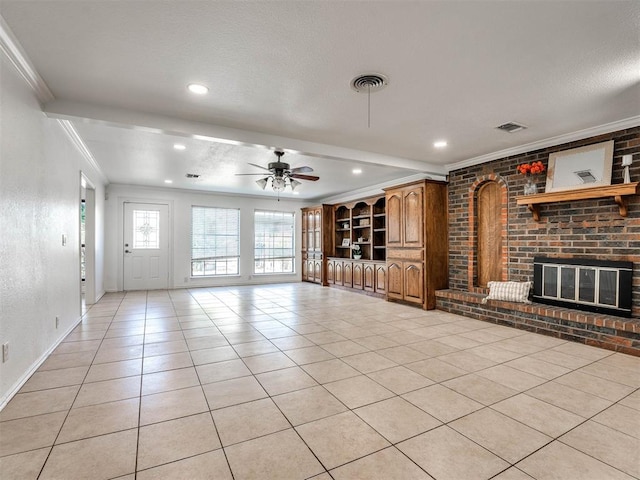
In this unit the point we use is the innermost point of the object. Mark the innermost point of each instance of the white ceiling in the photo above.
(279, 75)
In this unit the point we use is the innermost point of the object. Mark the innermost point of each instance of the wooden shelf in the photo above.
(618, 192)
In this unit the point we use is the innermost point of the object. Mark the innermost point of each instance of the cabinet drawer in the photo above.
(411, 254)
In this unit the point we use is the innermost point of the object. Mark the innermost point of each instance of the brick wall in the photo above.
(585, 228)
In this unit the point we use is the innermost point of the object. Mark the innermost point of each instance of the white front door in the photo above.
(146, 246)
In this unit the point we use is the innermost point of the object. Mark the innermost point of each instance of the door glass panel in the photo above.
(146, 229)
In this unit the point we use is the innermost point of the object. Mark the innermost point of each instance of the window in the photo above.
(146, 231)
(273, 245)
(215, 241)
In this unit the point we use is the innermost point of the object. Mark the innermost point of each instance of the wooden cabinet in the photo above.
(338, 272)
(331, 272)
(317, 242)
(417, 249)
(380, 285)
(358, 275)
(369, 277)
(347, 274)
(395, 287)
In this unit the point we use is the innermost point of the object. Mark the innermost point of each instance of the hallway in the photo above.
(295, 381)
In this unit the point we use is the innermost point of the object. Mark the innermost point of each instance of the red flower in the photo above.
(534, 168)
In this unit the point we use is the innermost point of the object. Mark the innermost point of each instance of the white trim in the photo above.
(15, 54)
(548, 142)
(72, 133)
(23, 379)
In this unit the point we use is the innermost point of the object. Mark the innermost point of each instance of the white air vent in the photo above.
(511, 127)
(192, 175)
(369, 83)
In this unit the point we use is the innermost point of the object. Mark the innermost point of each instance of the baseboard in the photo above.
(23, 379)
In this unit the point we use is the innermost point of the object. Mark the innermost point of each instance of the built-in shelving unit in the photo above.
(361, 223)
(619, 193)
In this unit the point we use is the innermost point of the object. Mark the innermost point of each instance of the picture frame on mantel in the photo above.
(578, 168)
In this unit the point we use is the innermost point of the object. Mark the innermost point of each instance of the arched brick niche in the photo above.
(488, 217)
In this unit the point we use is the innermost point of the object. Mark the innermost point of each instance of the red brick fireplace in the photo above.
(590, 229)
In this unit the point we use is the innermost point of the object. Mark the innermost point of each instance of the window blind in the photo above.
(215, 241)
(274, 242)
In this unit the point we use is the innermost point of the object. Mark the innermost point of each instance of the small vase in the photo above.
(356, 256)
(530, 187)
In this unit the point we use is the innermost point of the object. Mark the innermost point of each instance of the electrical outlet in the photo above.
(57, 321)
(5, 352)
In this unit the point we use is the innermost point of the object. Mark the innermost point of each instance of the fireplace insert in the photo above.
(599, 286)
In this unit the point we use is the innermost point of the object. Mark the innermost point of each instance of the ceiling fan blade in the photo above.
(259, 166)
(313, 178)
(302, 170)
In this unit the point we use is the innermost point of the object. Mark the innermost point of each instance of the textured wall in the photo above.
(40, 201)
(586, 228)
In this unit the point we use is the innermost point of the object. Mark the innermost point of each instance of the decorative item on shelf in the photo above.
(357, 251)
(360, 239)
(529, 170)
(345, 225)
(364, 222)
(627, 160)
(346, 242)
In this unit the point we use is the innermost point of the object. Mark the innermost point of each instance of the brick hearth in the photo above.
(605, 331)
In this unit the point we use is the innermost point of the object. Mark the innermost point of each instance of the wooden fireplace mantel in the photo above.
(618, 192)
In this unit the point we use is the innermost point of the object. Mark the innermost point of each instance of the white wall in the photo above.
(180, 202)
(40, 201)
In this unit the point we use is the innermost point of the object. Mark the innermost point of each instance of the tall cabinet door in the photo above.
(310, 230)
(394, 219)
(413, 205)
(317, 230)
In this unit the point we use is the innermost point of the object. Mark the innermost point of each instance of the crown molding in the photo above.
(377, 189)
(548, 142)
(72, 133)
(15, 54)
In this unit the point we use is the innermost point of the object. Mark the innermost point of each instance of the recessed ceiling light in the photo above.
(197, 88)
(356, 171)
(168, 181)
(179, 146)
(440, 144)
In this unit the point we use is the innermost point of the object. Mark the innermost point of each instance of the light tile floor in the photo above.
(296, 381)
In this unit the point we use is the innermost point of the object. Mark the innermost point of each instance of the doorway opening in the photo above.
(87, 219)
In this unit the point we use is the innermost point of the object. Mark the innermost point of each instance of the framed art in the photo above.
(346, 242)
(583, 167)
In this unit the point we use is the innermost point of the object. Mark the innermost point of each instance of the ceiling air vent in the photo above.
(369, 82)
(192, 175)
(511, 127)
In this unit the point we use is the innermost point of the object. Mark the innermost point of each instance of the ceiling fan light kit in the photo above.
(282, 175)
